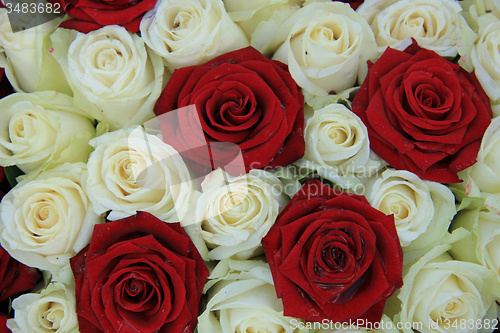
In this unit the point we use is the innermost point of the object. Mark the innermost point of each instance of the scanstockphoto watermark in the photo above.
(26, 14)
(202, 155)
(355, 325)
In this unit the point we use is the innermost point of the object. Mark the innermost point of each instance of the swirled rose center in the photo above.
(396, 204)
(23, 128)
(410, 25)
(453, 309)
(181, 21)
(340, 134)
(51, 316)
(109, 59)
(135, 291)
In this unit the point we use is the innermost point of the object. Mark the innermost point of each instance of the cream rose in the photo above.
(51, 310)
(434, 24)
(486, 171)
(42, 130)
(47, 220)
(190, 32)
(249, 14)
(422, 209)
(21, 51)
(485, 57)
(337, 146)
(482, 7)
(112, 74)
(327, 47)
(483, 244)
(237, 212)
(242, 298)
(443, 294)
(132, 171)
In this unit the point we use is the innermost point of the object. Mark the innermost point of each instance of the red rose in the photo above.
(3, 323)
(138, 274)
(333, 256)
(241, 98)
(14, 276)
(88, 15)
(423, 113)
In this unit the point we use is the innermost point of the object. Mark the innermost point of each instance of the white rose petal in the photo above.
(485, 56)
(245, 301)
(41, 130)
(439, 292)
(327, 47)
(114, 77)
(237, 212)
(132, 171)
(434, 24)
(52, 310)
(21, 51)
(190, 32)
(47, 219)
(250, 14)
(422, 209)
(486, 171)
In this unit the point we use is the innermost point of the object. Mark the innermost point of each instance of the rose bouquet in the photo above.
(298, 166)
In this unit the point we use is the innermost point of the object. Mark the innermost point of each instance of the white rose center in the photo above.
(22, 128)
(400, 201)
(109, 59)
(340, 134)
(413, 23)
(51, 317)
(127, 171)
(180, 22)
(455, 308)
(30, 131)
(42, 215)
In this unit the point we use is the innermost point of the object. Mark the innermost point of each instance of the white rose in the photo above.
(41, 130)
(482, 7)
(249, 14)
(132, 171)
(483, 244)
(243, 299)
(21, 51)
(486, 171)
(327, 47)
(337, 146)
(434, 24)
(190, 32)
(47, 220)
(485, 57)
(112, 74)
(51, 310)
(422, 209)
(440, 293)
(237, 212)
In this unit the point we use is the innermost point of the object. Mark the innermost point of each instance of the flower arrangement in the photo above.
(298, 166)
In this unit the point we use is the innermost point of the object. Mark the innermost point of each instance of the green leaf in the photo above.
(11, 173)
